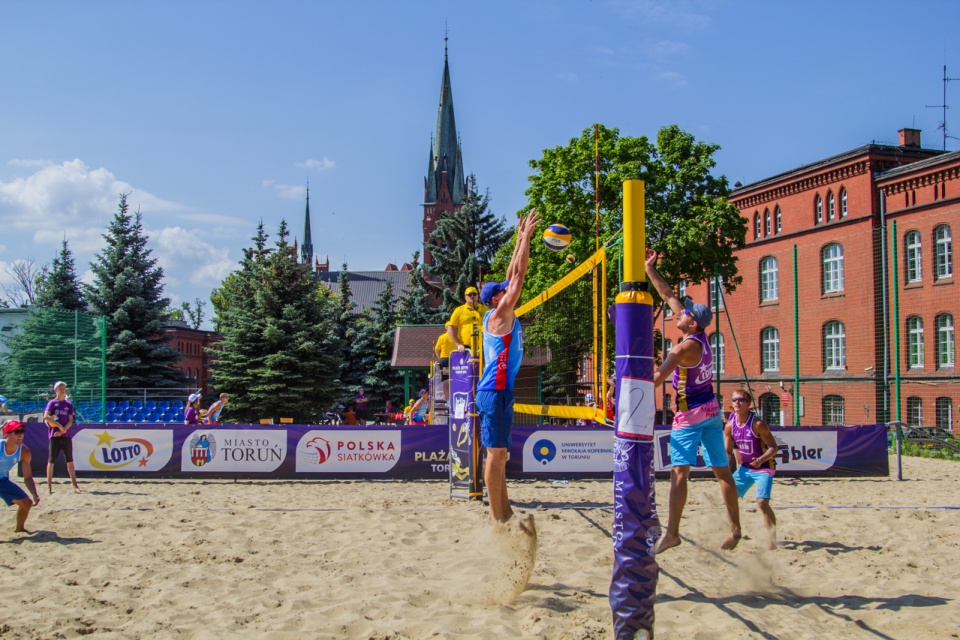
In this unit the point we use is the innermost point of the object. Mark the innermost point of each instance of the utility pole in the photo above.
(944, 107)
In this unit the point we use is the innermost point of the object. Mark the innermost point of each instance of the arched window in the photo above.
(945, 413)
(943, 252)
(770, 349)
(833, 410)
(912, 258)
(831, 207)
(834, 346)
(778, 214)
(817, 209)
(843, 202)
(945, 343)
(832, 268)
(716, 347)
(756, 225)
(766, 222)
(915, 342)
(915, 411)
(770, 408)
(769, 278)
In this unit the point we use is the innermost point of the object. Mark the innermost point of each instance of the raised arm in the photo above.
(665, 290)
(517, 270)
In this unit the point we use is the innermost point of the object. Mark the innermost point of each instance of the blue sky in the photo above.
(214, 115)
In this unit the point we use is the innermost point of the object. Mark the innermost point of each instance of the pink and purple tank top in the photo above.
(749, 444)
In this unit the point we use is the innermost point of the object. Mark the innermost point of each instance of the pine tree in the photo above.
(463, 246)
(128, 290)
(345, 329)
(414, 308)
(60, 288)
(381, 381)
(279, 356)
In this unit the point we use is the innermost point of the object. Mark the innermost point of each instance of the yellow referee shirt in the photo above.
(463, 318)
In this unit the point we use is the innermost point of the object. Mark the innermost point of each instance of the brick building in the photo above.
(192, 345)
(815, 347)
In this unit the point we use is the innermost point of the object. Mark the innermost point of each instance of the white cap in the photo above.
(58, 383)
(193, 397)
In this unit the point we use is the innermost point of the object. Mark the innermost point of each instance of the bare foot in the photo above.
(22, 530)
(527, 525)
(669, 541)
(731, 542)
(77, 489)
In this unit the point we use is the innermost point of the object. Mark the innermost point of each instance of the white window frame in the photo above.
(769, 279)
(832, 268)
(757, 228)
(943, 251)
(831, 207)
(714, 297)
(718, 350)
(913, 256)
(833, 407)
(944, 412)
(914, 411)
(770, 349)
(843, 203)
(767, 228)
(778, 214)
(915, 342)
(834, 346)
(946, 344)
(818, 210)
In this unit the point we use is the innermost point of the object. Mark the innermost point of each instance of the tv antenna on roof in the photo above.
(944, 106)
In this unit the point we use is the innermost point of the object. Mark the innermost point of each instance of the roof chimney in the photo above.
(910, 138)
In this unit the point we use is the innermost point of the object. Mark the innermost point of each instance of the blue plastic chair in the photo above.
(163, 404)
(111, 406)
(150, 405)
(123, 405)
(111, 417)
(177, 404)
(137, 404)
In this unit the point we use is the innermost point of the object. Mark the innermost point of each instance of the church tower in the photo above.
(306, 249)
(444, 187)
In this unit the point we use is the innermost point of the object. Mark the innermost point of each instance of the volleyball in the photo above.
(556, 237)
(571, 258)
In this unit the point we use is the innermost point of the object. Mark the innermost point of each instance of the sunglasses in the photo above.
(738, 400)
(21, 431)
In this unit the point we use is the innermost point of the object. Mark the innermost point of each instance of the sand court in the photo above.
(858, 558)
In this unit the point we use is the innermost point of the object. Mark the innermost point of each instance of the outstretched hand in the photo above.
(651, 259)
(527, 225)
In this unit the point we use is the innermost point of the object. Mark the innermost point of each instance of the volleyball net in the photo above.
(565, 336)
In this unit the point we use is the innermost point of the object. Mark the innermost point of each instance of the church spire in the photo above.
(306, 250)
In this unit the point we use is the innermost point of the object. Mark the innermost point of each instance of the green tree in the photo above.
(59, 287)
(688, 218)
(381, 380)
(463, 246)
(415, 305)
(346, 321)
(279, 356)
(128, 289)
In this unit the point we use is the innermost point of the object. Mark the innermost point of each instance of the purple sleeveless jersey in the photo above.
(749, 444)
(694, 385)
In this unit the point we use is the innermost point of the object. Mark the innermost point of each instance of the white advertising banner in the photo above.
(237, 450)
(132, 450)
(799, 451)
(568, 452)
(348, 451)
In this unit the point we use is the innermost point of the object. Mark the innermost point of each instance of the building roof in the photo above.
(413, 347)
(920, 165)
(366, 286)
(910, 155)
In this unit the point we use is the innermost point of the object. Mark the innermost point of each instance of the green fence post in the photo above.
(103, 368)
(796, 341)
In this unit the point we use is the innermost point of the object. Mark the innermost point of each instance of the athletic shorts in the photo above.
(60, 444)
(684, 442)
(10, 491)
(496, 418)
(444, 369)
(745, 477)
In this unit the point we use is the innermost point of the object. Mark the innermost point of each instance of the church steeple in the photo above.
(444, 187)
(306, 250)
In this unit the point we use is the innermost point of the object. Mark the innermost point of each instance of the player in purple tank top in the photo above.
(697, 422)
(752, 450)
(59, 418)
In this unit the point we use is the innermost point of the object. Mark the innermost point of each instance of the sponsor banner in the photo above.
(235, 450)
(568, 451)
(126, 450)
(463, 424)
(348, 451)
(420, 452)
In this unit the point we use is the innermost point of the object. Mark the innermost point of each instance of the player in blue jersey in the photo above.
(502, 352)
(698, 420)
(13, 451)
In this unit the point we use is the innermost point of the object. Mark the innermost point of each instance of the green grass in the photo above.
(909, 448)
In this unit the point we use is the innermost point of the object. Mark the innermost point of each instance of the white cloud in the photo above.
(317, 165)
(186, 255)
(28, 162)
(286, 191)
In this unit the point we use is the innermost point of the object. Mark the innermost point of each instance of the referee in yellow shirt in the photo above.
(461, 322)
(441, 351)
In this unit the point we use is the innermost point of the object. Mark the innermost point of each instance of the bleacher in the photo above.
(115, 411)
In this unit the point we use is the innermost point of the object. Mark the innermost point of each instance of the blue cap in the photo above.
(491, 289)
(700, 312)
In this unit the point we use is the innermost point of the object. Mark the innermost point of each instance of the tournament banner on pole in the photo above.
(464, 482)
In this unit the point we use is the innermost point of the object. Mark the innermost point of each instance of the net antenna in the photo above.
(944, 106)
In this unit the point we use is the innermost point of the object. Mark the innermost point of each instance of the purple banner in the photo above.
(165, 451)
(464, 472)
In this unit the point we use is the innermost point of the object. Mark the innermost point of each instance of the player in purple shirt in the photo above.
(59, 418)
(752, 450)
(697, 421)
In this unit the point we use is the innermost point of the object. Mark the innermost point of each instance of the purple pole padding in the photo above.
(636, 526)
